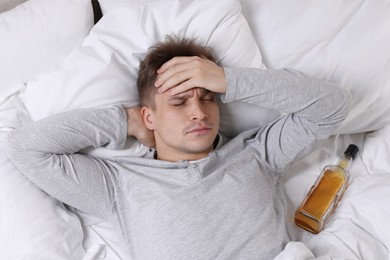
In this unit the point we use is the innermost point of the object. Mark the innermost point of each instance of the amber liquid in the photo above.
(322, 198)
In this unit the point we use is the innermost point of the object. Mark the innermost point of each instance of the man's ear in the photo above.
(148, 117)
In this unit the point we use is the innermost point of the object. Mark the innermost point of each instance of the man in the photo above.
(196, 195)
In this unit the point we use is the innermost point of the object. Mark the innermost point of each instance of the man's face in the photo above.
(185, 125)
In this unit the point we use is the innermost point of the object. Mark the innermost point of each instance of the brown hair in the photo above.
(157, 56)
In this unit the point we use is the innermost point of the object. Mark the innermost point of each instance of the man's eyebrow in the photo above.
(188, 94)
(180, 96)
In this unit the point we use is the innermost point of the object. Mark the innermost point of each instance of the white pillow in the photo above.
(338, 41)
(37, 35)
(103, 70)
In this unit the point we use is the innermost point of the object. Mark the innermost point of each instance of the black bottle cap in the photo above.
(352, 150)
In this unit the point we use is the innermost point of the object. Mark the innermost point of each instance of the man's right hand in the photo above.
(137, 128)
(183, 73)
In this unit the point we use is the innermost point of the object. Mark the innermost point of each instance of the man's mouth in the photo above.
(198, 129)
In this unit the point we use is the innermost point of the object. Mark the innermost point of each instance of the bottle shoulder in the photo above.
(335, 170)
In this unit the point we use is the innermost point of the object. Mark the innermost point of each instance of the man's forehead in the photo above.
(190, 93)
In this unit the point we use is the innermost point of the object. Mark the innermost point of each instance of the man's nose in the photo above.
(197, 112)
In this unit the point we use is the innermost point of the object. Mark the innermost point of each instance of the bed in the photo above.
(58, 55)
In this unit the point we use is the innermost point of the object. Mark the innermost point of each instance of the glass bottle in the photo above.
(325, 194)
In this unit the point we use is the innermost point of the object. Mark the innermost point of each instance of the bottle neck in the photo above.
(345, 162)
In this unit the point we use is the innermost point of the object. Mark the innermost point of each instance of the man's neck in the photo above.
(180, 156)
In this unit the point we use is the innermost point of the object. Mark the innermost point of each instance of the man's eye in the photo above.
(176, 104)
(207, 99)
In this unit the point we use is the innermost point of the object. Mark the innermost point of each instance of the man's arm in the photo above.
(45, 152)
(312, 110)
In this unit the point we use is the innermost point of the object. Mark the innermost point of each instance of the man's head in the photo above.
(159, 54)
(185, 125)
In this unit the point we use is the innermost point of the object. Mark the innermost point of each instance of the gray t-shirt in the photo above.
(224, 206)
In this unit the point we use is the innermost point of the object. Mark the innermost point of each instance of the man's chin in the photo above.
(200, 149)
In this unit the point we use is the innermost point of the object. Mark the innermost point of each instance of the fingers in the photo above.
(175, 72)
(173, 77)
(183, 73)
(181, 88)
(175, 61)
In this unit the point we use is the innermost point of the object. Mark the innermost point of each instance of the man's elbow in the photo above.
(340, 106)
(339, 103)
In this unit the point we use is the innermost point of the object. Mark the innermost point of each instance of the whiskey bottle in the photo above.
(325, 194)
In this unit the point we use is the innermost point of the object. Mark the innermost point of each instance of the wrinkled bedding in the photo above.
(344, 42)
